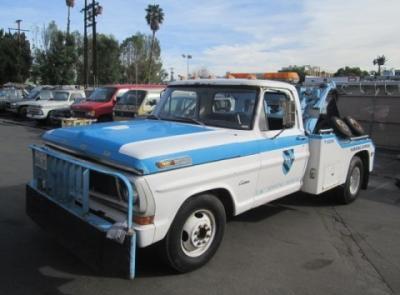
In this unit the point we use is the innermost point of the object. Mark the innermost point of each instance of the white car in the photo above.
(40, 110)
(19, 107)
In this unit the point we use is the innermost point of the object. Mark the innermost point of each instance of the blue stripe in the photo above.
(224, 152)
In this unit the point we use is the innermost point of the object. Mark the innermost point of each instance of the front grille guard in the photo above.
(66, 181)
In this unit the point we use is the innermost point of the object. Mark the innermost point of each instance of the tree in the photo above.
(15, 57)
(70, 4)
(202, 73)
(301, 71)
(350, 71)
(108, 54)
(134, 58)
(380, 61)
(154, 18)
(56, 62)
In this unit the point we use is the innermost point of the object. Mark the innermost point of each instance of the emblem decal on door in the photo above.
(288, 159)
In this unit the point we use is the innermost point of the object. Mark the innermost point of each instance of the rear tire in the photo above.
(350, 190)
(355, 127)
(195, 234)
(341, 127)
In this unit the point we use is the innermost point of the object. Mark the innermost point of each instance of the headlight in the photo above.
(14, 104)
(123, 191)
(91, 113)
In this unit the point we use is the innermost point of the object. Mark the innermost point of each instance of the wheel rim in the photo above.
(198, 233)
(355, 180)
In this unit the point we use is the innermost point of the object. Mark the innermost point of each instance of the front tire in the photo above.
(195, 233)
(350, 190)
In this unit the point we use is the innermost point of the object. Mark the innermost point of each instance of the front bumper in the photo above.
(58, 199)
(85, 236)
(36, 117)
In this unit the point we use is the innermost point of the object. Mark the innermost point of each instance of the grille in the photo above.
(34, 111)
(71, 182)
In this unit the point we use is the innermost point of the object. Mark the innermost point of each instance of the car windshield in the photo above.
(102, 94)
(132, 97)
(60, 96)
(220, 106)
(32, 95)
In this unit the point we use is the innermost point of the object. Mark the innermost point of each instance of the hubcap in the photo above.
(355, 180)
(198, 233)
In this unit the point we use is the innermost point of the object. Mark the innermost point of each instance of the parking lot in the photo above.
(298, 245)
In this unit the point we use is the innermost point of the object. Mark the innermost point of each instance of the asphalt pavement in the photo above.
(300, 244)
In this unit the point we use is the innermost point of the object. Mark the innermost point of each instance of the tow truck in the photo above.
(210, 150)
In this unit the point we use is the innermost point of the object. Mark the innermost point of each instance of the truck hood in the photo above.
(140, 145)
(87, 105)
(50, 103)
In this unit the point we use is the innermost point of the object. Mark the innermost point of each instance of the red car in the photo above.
(101, 102)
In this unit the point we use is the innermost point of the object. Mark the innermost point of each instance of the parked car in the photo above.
(41, 110)
(11, 95)
(19, 107)
(100, 104)
(137, 102)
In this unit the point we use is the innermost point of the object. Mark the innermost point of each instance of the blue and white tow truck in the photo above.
(210, 150)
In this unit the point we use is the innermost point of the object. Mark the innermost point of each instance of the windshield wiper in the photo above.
(188, 119)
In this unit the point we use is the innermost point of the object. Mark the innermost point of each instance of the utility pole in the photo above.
(19, 30)
(94, 37)
(90, 12)
(85, 48)
(172, 79)
(187, 57)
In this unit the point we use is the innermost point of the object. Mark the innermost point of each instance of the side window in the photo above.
(75, 96)
(274, 109)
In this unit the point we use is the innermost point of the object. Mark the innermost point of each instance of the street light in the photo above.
(187, 57)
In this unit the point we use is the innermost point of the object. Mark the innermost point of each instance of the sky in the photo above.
(239, 35)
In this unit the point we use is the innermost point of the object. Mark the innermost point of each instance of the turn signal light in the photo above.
(143, 220)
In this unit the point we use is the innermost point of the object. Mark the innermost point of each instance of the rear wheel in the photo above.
(349, 191)
(195, 234)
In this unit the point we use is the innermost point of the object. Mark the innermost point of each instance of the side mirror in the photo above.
(37, 98)
(289, 117)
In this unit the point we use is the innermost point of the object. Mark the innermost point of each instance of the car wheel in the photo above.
(341, 127)
(22, 112)
(355, 127)
(349, 191)
(195, 233)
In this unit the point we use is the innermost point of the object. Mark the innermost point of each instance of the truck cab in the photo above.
(211, 149)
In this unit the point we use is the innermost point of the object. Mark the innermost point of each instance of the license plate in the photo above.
(40, 160)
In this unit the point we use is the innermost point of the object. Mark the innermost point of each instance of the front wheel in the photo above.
(349, 191)
(195, 234)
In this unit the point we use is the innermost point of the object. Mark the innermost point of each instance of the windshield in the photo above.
(60, 96)
(132, 97)
(220, 106)
(33, 94)
(102, 94)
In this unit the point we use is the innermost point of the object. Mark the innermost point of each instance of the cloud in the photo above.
(329, 34)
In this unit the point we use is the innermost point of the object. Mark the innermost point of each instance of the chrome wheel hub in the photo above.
(355, 180)
(198, 233)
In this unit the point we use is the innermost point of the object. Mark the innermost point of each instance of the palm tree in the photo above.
(70, 3)
(154, 18)
(380, 61)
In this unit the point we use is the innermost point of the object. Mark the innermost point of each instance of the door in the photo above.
(283, 150)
